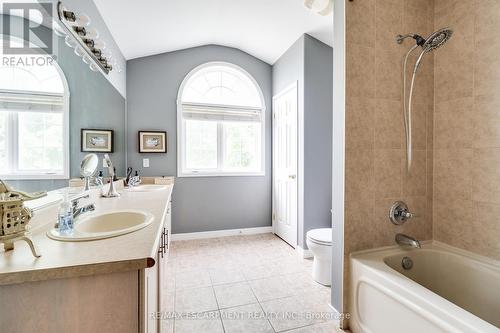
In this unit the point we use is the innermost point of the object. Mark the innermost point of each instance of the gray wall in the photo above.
(309, 62)
(94, 103)
(201, 203)
(318, 112)
(289, 68)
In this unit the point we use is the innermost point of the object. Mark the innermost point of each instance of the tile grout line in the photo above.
(217, 302)
(262, 308)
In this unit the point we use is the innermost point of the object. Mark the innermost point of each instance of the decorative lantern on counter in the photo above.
(15, 217)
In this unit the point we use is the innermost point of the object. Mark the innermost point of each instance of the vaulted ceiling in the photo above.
(262, 28)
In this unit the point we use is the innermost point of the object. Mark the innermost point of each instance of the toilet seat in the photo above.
(322, 236)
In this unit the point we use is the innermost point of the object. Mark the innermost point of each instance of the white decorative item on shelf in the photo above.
(322, 7)
(15, 217)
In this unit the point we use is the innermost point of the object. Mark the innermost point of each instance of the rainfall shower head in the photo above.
(437, 39)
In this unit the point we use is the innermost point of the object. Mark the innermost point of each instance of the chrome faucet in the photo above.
(405, 240)
(77, 211)
(98, 181)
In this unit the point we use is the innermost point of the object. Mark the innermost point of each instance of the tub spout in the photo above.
(405, 240)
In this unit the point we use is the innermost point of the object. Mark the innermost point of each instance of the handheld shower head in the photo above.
(437, 39)
(434, 41)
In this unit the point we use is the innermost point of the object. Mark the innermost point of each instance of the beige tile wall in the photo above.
(467, 127)
(455, 182)
(375, 169)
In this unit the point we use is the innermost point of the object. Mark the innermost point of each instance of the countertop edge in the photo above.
(75, 271)
(146, 260)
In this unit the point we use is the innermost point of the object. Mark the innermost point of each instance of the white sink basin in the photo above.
(147, 188)
(105, 225)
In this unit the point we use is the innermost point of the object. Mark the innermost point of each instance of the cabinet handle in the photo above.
(164, 241)
(166, 238)
(162, 245)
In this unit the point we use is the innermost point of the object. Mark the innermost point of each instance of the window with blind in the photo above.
(33, 122)
(220, 123)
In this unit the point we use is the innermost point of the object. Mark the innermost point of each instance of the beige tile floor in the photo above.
(247, 284)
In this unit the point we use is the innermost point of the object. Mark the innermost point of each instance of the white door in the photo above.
(285, 143)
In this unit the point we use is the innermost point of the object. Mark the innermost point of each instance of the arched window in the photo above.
(34, 119)
(220, 122)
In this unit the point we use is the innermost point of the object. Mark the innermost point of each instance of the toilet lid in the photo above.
(323, 235)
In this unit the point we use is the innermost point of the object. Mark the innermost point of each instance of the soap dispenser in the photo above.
(65, 216)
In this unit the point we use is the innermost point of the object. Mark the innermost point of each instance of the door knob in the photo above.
(292, 176)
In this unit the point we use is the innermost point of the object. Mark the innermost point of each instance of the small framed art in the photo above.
(97, 140)
(152, 142)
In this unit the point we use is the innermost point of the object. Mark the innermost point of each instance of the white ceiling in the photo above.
(262, 28)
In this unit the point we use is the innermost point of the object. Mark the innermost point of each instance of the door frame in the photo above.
(293, 85)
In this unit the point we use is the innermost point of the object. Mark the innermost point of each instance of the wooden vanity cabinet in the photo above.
(154, 290)
(122, 301)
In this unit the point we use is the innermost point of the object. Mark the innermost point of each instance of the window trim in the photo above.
(28, 175)
(181, 130)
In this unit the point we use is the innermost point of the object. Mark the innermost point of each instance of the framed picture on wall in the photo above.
(97, 140)
(152, 142)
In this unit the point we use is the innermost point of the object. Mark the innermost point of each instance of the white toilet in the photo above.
(319, 241)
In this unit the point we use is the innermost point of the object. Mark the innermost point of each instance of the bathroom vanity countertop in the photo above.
(133, 251)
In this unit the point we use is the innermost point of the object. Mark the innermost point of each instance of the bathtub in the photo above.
(446, 290)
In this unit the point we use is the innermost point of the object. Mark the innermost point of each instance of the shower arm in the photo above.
(401, 38)
(419, 39)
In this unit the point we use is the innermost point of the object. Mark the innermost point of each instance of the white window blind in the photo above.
(31, 102)
(220, 112)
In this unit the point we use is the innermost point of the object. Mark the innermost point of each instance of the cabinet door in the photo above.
(165, 292)
(168, 225)
(151, 298)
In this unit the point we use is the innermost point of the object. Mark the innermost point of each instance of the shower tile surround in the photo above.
(375, 152)
(454, 183)
(467, 127)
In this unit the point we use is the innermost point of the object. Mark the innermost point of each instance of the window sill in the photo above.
(34, 177)
(228, 174)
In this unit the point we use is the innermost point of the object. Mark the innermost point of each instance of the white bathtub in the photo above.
(446, 290)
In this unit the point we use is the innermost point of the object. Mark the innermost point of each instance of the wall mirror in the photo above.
(45, 100)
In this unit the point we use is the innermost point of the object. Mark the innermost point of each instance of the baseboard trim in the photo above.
(304, 253)
(337, 316)
(221, 233)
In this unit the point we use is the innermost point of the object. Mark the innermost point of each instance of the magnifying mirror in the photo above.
(88, 168)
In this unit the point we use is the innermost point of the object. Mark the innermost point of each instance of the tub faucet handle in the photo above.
(399, 213)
